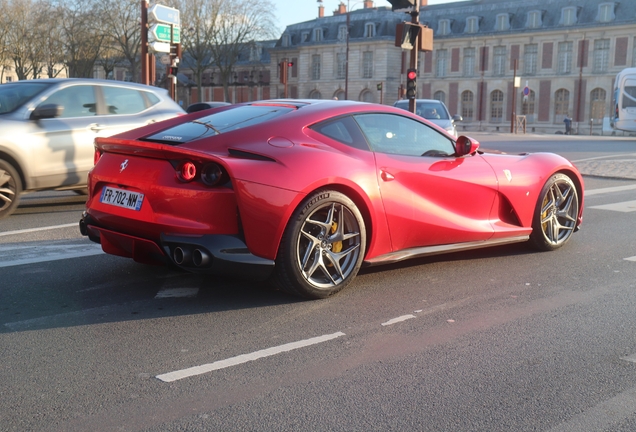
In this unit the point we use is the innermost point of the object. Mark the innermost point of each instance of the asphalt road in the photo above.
(504, 339)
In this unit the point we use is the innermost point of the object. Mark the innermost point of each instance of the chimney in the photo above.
(368, 4)
(342, 9)
(321, 9)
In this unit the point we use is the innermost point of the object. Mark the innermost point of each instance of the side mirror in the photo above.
(466, 146)
(457, 118)
(47, 111)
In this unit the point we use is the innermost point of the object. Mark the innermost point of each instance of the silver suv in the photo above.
(47, 129)
(434, 111)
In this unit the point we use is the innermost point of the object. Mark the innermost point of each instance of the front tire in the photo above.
(10, 189)
(556, 213)
(323, 246)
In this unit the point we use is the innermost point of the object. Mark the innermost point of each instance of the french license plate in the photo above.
(122, 198)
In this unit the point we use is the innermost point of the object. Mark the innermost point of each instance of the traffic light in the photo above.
(401, 4)
(411, 84)
(284, 67)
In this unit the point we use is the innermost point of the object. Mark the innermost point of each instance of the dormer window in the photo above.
(502, 22)
(285, 40)
(342, 33)
(534, 19)
(304, 37)
(606, 12)
(369, 30)
(568, 16)
(472, 25)
(444, 27)
(318, 35)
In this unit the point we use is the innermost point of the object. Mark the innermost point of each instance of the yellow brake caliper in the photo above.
(335, 246)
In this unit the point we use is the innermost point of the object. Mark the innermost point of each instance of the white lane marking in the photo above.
(603, 416)
(7, 233)
(244, 358)
(398, 319)
(177, 292)
(608, 190)
(631, 358)
(631, 259)
(624, 207)
(20, 255)
(602, 157)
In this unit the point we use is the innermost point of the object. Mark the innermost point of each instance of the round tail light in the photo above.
(212, 174)
(187, 171)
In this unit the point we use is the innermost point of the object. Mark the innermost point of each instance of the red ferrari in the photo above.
(305, 192)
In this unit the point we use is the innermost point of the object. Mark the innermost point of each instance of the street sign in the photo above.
(161, 33)
(165, 59)
(163, 14)
(158, 47)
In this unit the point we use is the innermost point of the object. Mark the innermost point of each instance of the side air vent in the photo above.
(249, 155)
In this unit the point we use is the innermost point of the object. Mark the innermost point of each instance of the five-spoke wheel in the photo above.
(556, 213)
(10, 188)
(323, 246)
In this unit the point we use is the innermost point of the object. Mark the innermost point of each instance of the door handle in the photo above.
(96, 127)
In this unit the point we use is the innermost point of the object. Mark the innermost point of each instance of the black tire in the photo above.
(556, 213)
(10, 189)
(322, 247)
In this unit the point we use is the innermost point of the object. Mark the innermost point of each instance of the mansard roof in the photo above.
(457, 13)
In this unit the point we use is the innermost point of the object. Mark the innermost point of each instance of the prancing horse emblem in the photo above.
(123, 165)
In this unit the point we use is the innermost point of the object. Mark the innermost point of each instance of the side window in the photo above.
(394, 134)
(123, 100)
(344, 130)
(77, 101)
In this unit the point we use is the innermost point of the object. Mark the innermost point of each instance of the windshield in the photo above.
(14, 95)
(218, 123)
(428, 110)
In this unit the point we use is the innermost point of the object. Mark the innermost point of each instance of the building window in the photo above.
(496, 106)
(369, 30)
(366, 96)
(499, 61)
(502, 22)
(440, 96)
(340, 95)
(315, 94)
(469, 62)
(467, 105)
(318, 35)
(285, 40)
(530, 58)
(565, 58)
(443, 27)
(315, 67)
(341, 60)
(597, 105)
(568, 16)
(367, 64)
(441, 65)
(606, 12)
(472, 25)
(9, 79)
(561, 105)
(601, 55)
(342, 33)
(534, 19)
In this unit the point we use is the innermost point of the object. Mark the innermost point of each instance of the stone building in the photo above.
(564, 53)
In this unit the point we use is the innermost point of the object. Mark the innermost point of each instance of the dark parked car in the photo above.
(48, 128)
(200, 106)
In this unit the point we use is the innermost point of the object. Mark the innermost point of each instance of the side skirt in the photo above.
(440, 249)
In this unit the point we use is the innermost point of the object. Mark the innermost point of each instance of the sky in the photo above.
(295, 11)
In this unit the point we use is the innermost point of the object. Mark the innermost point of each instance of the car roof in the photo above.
(90, 81)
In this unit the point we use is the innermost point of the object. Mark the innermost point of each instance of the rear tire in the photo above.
(323, 246)
(556, 213)
(10, 189)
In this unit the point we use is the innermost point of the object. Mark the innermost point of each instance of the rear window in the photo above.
(218, 123)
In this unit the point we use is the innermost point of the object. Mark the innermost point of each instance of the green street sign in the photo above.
(161, 33)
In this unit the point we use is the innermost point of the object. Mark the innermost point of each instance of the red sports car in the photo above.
(305, 192)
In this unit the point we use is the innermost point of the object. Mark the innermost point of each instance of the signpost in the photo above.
(163, 14)
(161, 33)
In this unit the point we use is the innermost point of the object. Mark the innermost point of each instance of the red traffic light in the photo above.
(411, 74)
(290, 64)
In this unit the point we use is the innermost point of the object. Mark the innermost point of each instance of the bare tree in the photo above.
(23, 38)
(198, 18)
(236, 27)
(122, 20)
(82, 35)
